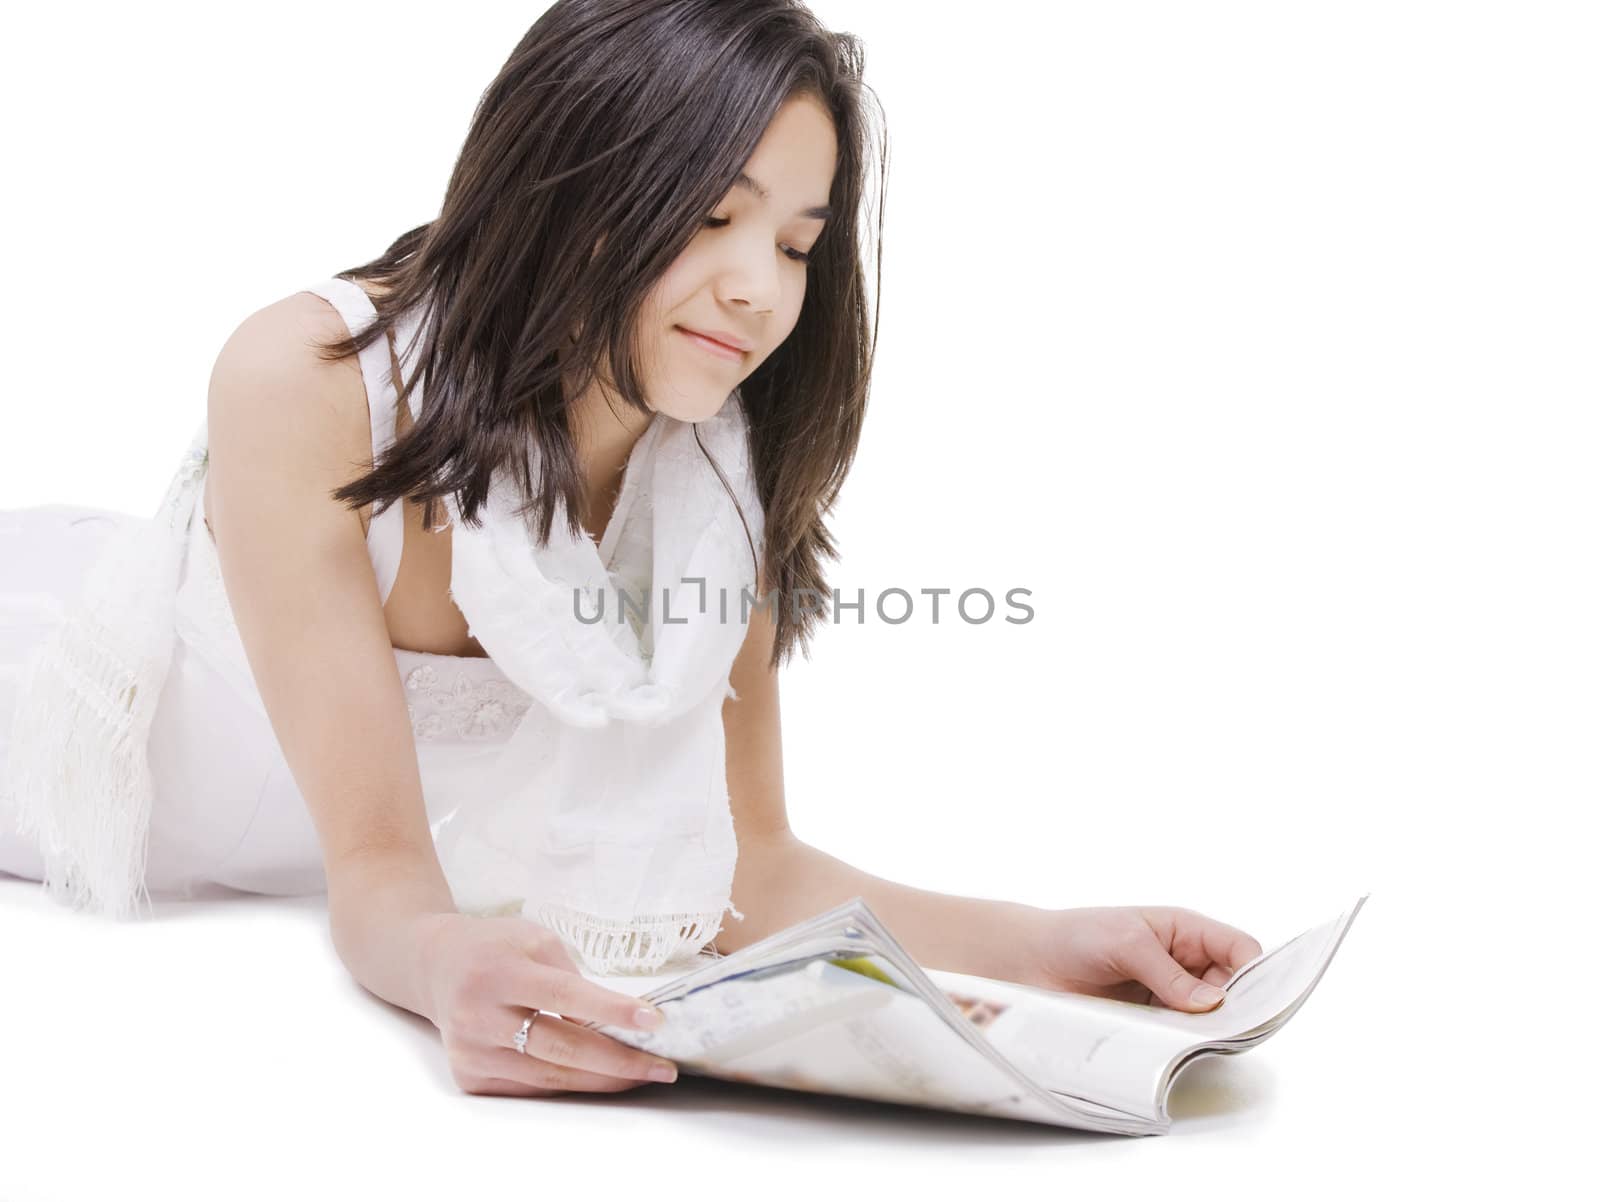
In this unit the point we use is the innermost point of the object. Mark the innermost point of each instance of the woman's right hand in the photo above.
(484, 976)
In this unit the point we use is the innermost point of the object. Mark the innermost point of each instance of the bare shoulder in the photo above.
(286, 426)
(272, 392)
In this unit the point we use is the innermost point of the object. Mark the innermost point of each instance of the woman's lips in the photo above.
(720, 349)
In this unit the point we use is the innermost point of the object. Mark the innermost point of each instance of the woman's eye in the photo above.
(799, 256)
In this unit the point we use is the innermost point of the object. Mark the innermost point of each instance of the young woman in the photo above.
(448, 609)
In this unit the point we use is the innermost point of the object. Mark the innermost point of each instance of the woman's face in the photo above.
(742, 278)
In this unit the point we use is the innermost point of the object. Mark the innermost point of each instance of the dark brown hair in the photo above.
(593, 159)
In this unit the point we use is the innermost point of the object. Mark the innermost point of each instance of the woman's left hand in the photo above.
(1148, 954)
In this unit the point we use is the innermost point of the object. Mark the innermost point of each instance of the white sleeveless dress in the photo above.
(227, 810)
(599, 808)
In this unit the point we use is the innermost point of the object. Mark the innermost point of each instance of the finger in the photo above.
(1216, 975)
(563, 1042)
(1220, 943)
(534, 1073)
(500, 1087)
(1195, 960)
(536, 986)
(1146, 960)
(1196, 941)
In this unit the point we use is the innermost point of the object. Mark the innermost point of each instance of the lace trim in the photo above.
(638, 945)
(447, 702)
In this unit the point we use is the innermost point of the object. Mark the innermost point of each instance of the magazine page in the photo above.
(1264, 993)
(836, 1006)
(1127, 1054)
(1071, 1043)
(835, 1026)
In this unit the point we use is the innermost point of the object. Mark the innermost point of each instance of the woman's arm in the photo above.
(285, 430)
(780, 880)
(1134, 953)
(940, 930)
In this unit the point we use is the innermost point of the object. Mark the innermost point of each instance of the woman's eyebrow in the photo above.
(815, 212)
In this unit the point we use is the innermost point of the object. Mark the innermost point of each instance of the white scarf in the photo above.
(77, 776)
(607, 817)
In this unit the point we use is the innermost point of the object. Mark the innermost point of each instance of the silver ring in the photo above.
(520, 1039)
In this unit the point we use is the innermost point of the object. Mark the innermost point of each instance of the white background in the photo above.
(1257, 340)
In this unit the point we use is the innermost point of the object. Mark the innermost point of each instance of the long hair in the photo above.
(593, 159)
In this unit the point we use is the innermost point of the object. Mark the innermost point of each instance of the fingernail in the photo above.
(664, 1072)
(648, 1017)
(1206, 995)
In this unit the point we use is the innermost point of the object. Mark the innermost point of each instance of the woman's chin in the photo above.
(694, 408)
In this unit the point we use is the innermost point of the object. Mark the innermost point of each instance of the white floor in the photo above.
(1255, 343)
(220, 1049)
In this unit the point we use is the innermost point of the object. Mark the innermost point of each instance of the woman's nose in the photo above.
(751, 278)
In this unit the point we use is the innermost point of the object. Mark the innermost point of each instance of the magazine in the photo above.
(835, 1005)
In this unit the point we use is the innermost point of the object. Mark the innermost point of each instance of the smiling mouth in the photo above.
(720, 349)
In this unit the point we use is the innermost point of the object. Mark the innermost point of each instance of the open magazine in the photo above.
(835, 1005)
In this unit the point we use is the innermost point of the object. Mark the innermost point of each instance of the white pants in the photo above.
(226, 808)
